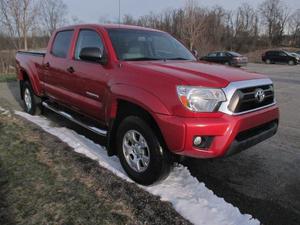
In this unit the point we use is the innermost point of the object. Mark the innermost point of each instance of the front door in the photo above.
(91, 77)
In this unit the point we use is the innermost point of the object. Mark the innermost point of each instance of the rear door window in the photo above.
(221, 54)
(62, 43)
(282, 54)
(213, 54)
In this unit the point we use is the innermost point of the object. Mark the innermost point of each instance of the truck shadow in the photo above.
(15, 93)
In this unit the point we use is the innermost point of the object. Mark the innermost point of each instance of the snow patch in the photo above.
(4, 111)
(190, 198)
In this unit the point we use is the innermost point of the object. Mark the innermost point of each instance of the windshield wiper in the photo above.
(142, 59)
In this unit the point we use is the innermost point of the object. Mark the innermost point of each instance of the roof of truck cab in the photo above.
(109, 26)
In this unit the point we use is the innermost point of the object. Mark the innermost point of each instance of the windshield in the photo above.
(141, 45)
(294, 54)
(235, 54)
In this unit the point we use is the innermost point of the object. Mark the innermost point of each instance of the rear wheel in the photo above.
(268, 61)
(292, 62)
(141, 153)
(32, 103)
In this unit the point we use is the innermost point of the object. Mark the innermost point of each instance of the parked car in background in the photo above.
(227, 58)
(279, 56)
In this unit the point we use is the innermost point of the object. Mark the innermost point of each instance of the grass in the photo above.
(8, 77)
(43, 181)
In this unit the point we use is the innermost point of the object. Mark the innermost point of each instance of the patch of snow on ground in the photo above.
(4, 111)
(190, 198)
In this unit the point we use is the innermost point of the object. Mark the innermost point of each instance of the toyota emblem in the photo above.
(260, 95)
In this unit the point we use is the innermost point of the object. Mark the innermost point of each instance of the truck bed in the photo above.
(35, 53)
(31, 62)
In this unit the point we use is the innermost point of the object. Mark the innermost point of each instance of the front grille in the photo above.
(246, 99)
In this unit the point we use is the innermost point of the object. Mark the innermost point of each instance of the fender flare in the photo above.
(33, 78)
(138, 96)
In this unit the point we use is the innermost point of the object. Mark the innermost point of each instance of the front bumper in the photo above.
(229, 134)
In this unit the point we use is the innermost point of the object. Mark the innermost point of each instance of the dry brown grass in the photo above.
(43, 181)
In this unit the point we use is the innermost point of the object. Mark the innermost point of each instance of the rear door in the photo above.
(283, 57)
(59, 83)
(211, 57)
(271, 55)
(91, 77)
(277, 57)
(223, 58)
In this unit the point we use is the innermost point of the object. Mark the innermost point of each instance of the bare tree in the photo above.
(53, 15)
(294, 27)
(18, 17)
(193, 23)
(274, 14)
(246, 29)
(129, 20)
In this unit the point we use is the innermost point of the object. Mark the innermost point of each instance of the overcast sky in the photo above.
(91, 11)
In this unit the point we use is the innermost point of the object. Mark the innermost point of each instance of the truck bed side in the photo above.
(30, 67)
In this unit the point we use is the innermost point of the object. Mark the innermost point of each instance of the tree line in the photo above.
(28, 24)
(247, 28)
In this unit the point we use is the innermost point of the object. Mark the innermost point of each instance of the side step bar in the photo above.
(71, 118)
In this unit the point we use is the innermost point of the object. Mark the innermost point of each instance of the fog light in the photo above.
(197, 141)
(202, 142)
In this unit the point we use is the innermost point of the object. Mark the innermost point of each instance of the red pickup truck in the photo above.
(148, 95)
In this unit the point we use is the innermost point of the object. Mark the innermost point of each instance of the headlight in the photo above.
(198, 99)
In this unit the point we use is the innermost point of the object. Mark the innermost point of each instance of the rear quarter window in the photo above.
(62, 43)
(212, 54)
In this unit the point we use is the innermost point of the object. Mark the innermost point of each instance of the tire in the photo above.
(227, 64)
(291, 63)
(268, 61)
(144, 159)
(32, 103)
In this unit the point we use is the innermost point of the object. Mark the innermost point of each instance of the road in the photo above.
(263, 181)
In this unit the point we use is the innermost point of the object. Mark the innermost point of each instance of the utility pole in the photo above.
(119, 12)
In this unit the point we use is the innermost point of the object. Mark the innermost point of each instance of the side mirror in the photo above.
(92, 54)
(195, 53)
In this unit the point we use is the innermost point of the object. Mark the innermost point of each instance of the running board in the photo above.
(71, 118)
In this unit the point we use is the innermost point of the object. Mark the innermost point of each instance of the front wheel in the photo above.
(292, 62)
(141, 153)
(31, 102)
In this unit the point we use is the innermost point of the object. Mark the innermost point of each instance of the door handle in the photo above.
(71, 69)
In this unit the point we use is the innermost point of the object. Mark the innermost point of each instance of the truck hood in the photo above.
(198, 73)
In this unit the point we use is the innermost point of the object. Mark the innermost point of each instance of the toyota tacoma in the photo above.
(148, 96)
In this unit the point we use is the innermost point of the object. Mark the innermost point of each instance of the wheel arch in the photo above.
(124, 109)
